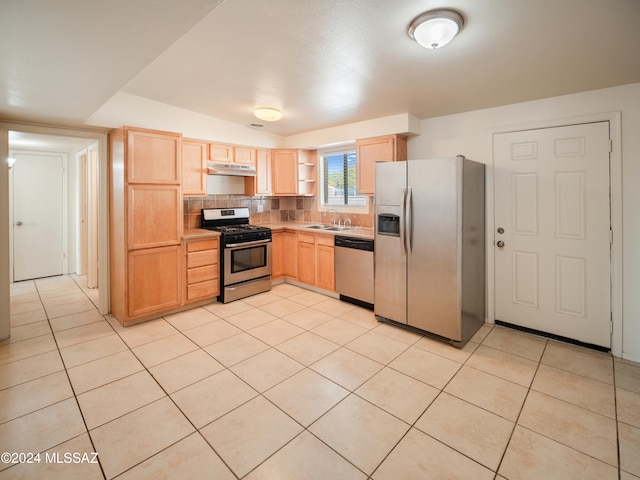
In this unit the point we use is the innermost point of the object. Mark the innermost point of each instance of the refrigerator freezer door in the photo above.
(391, 178)
(433, 272)
(390, 277)
(390, 272)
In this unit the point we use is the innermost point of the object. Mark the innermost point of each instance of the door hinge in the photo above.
(610, 145)
(611, 324)
(610, 237)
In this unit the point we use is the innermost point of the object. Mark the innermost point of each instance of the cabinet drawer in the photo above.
(325, 240)
(199, 245)
(200, 274)
(306, 238)
(205, 257)
(210, 288)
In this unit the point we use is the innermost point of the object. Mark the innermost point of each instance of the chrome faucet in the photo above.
(334, 210)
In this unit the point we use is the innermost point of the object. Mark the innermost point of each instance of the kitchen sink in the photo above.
(328, 227)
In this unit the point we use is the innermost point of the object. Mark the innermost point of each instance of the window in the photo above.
(338, 180)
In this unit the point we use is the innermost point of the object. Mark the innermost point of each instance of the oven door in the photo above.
(246, 261)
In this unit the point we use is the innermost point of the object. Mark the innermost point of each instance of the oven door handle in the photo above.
(248, 244)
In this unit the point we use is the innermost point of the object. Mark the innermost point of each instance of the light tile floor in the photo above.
(291, 384)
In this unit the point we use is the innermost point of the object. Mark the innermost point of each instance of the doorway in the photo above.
(552, 231)
(24, 137)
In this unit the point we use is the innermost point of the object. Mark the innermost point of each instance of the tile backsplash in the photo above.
(274, 209)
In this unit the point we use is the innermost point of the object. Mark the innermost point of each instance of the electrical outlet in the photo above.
(260, 208)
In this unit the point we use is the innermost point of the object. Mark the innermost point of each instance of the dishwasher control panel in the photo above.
(352, 242)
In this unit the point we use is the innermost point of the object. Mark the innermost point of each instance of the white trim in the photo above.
(615, 190)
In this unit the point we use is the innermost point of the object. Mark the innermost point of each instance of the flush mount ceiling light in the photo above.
(436, 28)
(267, 114)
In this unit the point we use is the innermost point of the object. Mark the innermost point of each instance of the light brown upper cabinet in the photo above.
(226, 153)
(261, 183)
(194, 167)
(221, 153)
(285, 172)
(294, 172)
(153, 157)
(245, 155)
(389, 148)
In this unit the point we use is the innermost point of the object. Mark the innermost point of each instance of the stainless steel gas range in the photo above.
(245, 253)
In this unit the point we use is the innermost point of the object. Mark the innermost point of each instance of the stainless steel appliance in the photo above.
(245, 252)
(354, 270)
(430, 246)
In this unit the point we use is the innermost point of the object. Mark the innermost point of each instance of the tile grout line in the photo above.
(615, 404)
(524, 401)
(75, 396)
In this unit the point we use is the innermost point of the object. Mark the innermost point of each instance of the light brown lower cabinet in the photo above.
(325, 271)
(316, 260)
(284, 254)
(202, 269)
(154, 280)
(306, 258)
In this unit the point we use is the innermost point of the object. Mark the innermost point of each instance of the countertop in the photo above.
(192, 233)
(360, 232)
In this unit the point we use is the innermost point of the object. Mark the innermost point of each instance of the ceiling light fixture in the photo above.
(268, 114)
(436, 28)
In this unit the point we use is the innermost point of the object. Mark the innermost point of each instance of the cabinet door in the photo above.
(290, 254)
(153, 157)
(245, 155)
(389, 148)
(306, 263)
(277, 254)
(194, 164)
(325, 272)
(154, 280)
(285, 172)
(263, 172)
(221, 153)
(154, 216)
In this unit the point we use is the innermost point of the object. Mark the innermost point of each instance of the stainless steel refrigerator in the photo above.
(430, 246)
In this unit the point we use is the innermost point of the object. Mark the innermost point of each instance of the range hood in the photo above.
(232, 169)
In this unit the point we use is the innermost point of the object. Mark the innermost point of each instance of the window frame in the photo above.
(323, 207)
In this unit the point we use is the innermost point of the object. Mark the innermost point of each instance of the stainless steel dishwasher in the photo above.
(354, 270)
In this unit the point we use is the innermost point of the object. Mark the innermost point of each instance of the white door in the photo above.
(552, 271)
(38, 249)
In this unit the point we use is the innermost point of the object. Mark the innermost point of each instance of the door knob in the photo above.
(500, 244)
(19, 224)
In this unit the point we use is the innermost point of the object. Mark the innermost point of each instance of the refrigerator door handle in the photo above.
(408, 222)
(403, 197)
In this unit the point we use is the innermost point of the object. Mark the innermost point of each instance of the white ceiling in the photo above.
(323, 62)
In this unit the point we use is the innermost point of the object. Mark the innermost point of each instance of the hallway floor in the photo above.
(291, 384)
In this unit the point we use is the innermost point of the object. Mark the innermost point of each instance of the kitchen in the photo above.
(467, 133)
